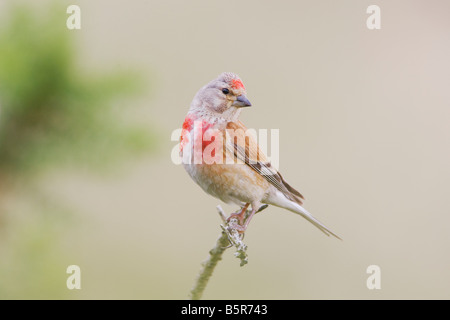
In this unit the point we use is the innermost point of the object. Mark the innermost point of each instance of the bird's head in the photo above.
(223, 98)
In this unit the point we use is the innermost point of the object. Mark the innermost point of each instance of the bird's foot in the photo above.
(242, 218)
(239, 215)
(237, 225)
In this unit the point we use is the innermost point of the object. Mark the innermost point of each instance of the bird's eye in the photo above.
(225, 91)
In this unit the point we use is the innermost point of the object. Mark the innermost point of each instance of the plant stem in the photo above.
(230, 237)
(208, 266)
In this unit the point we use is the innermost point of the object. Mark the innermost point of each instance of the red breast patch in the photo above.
(187, 127)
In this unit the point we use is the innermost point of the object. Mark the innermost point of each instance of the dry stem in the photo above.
(229, 237)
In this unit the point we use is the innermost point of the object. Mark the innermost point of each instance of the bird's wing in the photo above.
(245, 148)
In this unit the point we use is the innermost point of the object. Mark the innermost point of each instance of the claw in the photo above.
(240, 216)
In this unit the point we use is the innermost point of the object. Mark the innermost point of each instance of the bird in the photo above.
(226, 162)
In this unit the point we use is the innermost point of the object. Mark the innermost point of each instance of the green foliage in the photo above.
(50, 111)
(33, 263)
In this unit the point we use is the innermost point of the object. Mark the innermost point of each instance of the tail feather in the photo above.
(281, 201)
(308, 216)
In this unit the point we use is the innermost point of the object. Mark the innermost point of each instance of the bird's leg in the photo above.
(252, 213)
(243, 220)
(241, 215)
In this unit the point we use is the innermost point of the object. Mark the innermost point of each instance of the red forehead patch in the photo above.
(237, 84)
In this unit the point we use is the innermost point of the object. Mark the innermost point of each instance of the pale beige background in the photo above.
(364, 128)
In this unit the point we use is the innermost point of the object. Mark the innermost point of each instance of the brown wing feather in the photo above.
(245, 148)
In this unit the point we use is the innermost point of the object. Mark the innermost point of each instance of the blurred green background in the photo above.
(86, 176)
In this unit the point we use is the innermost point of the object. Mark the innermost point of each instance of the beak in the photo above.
(242, 101)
